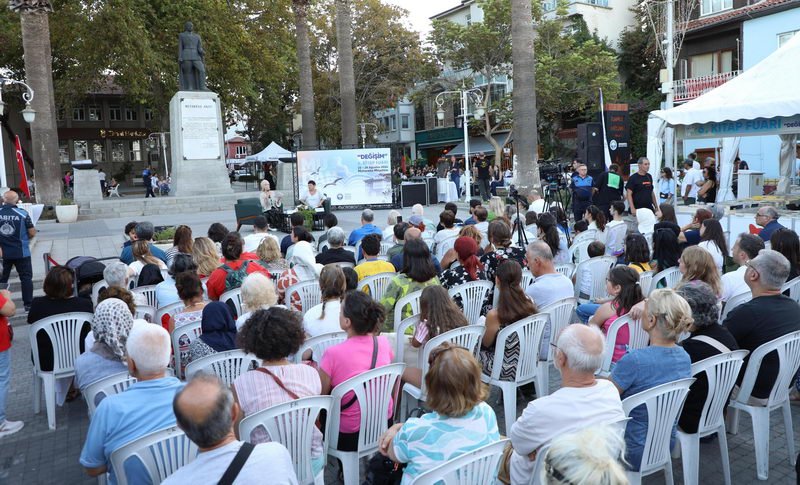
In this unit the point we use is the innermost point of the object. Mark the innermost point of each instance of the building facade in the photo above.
(397, 130)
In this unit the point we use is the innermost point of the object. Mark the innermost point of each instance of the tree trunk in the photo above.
(306, 80)
(524, 97)
(44, 132)
(347, 82)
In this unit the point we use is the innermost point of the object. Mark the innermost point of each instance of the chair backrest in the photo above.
(376, 284)
(561, 313)
(172, 309)
(147, 313)
(722, 371)
(567, 269)
(793, 286)
(663, 405)
(529, 331)
(374, 390)
(669, 276)
(468, 337)
(445, 245)
(646, 281)
(788, 350)
(579, 251)
(344, 264)
(400, 336)
(598, 269)
(475, 467)
(161, 452)
(96, 290)
(233, 297)
(473, 295)
(527, 279)
(733, 302)
(639, 339)
(191, 330)
(359, 253)
(226, 365)
(318, 345)
(589, 235)
(107, 386)
(353, 250)
(323, 246)
(385, 247)
(149, 292)
(64, 331)
(411, 300)
(292, 424)
(309, 292)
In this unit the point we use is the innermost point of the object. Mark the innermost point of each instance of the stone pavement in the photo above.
(37, 455)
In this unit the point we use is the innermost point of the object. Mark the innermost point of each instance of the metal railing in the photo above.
(688, 89)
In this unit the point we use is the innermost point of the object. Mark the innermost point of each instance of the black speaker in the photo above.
(590, 147)
(413, 193)
(433, 190)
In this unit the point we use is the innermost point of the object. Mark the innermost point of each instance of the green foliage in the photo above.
(66, 201)
(167, 234)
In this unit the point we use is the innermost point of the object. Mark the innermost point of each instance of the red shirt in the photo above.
(5, 335)
(216, 282)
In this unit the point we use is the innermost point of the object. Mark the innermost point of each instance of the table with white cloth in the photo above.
(35, 210)
(447, 190)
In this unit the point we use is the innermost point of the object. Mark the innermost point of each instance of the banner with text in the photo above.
(348, 177)
(757, 127)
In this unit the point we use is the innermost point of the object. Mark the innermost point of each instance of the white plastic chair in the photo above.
(639, 339)
(468, 337)
(107, 386)
(376, 284)
(477, 467)
(410, 300)
(589, 235)
(323, 246)
(788, 350)
(733, 302)
(292, 424)
(353, 250)
(598, 268)
(472, 295)
(793, 286)
(721, 371)
(96, 288)
(561, 313)
(147, 313)
(670, 276)
(172, 309)
(527, 279)
(193, 330)
(64, 331)
(149, 293)
(318, 345)
(374, 391)
(309, 292)
(529, 367)
(567, 269)
(646, 281)
(226, 365)
(579, 251)
(113, 191)
(663, 405)
(344, 264)
(385, 247)
(161, 452)
(444, 245)
(400, 336)
(235, 297)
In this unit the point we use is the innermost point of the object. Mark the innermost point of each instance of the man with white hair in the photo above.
(419, 210)
(335, 252)
(367, 227)
(206, 411)
(145, 407)
(391, 220)
(767, 217)
(16, 230)
(549, 285)
(118, 274)
(769, 315)
(581, 402)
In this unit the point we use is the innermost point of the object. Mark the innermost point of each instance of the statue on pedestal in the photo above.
(192, 76)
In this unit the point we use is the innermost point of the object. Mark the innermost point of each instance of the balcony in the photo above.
(550, 5)
(688, 89)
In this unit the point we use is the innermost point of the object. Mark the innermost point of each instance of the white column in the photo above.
(466, 145)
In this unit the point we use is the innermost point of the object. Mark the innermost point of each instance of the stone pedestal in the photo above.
(285, 182)
(87, 186)
(197, 146)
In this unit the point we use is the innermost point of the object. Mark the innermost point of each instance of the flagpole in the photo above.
(606, 153)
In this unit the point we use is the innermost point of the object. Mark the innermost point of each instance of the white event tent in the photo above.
(764, 100)
(272, 153)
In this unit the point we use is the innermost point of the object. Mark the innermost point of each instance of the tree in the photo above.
(305, 74)
(347, 82)
(524, 97)
(35, 29)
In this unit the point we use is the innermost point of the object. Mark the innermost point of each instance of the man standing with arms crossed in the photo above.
(484, 167)
(640, 191)
(16, 229)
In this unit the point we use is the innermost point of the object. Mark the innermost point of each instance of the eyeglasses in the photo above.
(555, 346)
(749, 265)
(553, 472)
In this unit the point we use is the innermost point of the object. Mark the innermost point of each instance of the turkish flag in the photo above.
(21, 165)
(403, 164)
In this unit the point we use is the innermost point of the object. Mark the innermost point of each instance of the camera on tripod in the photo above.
(551, 173)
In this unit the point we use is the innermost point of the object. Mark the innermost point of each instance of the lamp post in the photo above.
(364, 132)
(162, 145)
(28, 114)
(465, 95)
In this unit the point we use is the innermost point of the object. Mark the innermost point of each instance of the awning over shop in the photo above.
(479, 144)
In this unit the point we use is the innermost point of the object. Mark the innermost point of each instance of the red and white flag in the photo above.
(21, 165)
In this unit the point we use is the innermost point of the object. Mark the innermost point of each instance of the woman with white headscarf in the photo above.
(111, 325)
(304, 267)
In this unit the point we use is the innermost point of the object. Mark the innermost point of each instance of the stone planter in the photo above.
(67, 213)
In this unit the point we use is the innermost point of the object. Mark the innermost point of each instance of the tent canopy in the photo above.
(270, 154)
(766, 90)
(478, 144)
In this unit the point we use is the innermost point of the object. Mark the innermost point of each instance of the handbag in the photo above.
(381, 470)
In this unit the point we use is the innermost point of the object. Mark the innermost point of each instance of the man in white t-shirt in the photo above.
(581, 402)
(206, 412)
(745, 248)
(690, 179)
(260, 231)
(548, 285)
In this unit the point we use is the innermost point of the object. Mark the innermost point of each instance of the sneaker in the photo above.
(10, 427)
(27, 308)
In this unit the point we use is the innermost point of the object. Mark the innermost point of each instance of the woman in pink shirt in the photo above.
(622, 284)
(364, 349)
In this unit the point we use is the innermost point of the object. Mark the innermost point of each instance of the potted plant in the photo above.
(67, 211)
(308, 216)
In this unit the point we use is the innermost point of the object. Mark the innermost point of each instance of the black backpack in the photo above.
(235, 277)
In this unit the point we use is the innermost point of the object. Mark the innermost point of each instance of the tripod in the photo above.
(522, 239)
(553, 195)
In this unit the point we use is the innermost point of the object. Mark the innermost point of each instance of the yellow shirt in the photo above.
(369, 268)
(640, 267)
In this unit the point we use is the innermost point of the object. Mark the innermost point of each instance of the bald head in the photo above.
(11, 197)
(204, 410)
(412, 233)
(583, 347)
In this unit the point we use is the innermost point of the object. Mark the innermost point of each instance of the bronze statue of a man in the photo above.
(190, 58)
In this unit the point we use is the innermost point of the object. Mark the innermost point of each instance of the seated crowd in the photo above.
(572, 432)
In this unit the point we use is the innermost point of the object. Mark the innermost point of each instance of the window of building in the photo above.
(711, 63)
(135, 150)
(469, 19)
(95, 113)
(241, 151)
(81, 148)
(115, 113)
(148, 114)
(61, 113)
(154, 157)
(117, 151)
(79, 113)
(784, 37)
(63, 151)
(392, 123)
(405, 122)
(707, 7)
(97, 152)
(131, 115)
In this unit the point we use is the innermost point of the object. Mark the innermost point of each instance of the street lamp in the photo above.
(476, 95)
(163, 147)
(364, 132)
(28, 114)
